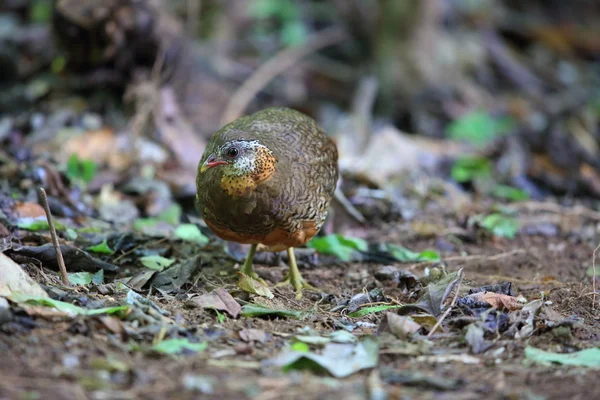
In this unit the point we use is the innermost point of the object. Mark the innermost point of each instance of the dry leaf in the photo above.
(14, 279)
(220, 300)
(29, 210)
(254, 335)
(498, 300)
(251, 285)
(402, 327)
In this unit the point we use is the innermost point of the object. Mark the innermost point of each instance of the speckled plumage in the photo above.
(279, 208)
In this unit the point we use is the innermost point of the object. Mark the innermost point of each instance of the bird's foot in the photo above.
(297, 282)
(253, 275)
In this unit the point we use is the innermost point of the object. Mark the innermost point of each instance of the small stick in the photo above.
(278, 64)
(594, 277)
(445, 314)
(59, 256)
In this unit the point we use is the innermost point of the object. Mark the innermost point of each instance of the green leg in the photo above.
(247, 267)
(293, 277)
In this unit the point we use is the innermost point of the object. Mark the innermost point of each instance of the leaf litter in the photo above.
(387, 316)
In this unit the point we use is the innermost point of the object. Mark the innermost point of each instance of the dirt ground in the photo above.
(78, 359)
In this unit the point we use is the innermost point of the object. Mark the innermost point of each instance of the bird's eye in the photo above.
(232, 152)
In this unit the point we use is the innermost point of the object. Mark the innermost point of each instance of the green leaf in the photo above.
(583, 358)
(466, 169)
(175, 346)
(255, 310)
(509, 193)
(479, 127)
(58, 64)
(33, 224)
(374, 309)
(405, 255)
(220, 316)
(40, 11)
(68, 308)
(590, 271)
(294, 33)
(338, 245)
(501, 225)
(300, 347)
(71, 234)
(98, 277)
(80, 278)
(101, 248)
(171, 215)
(156, 263)
(82, 171)
(190, 233)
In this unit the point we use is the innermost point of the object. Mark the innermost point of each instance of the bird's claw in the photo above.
(297, 282)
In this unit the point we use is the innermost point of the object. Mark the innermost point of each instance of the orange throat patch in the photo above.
(239, 186)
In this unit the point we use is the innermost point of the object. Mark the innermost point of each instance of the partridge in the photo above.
(268, 178)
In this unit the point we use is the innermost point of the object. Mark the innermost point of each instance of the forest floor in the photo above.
(53, 356)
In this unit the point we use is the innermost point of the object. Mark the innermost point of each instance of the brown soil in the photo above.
(66, 359)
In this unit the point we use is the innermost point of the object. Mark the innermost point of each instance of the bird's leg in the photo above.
(247, 267)
(293, 277)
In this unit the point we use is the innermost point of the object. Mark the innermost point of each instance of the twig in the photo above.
(343, 201)
(577, 210)
(193, 17)
(445, 314)
(275, 66)
(59, 256)
(472, 257)
(594, 277)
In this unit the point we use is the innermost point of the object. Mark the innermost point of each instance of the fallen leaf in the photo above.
(315, 339)
(338, 245)
(401, 326)
(403, 254)
(175, 346)
(342, 336)
(374, 309)
(254, 335)
(498, 300)
(435, 294)
(339, 359)
(190, 233)
(29, 210)
(251, 285)
(583, 358)
(475, 339)
(446, 358)
(101, 248)
(156, 263)
(220, 300)
(114, 325)
(255, 310)
(68, 308)
(14, 280)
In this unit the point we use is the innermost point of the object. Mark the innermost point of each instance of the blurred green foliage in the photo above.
(81, 171)
(479, 127)
(469, 168)
(40, 11)
(338, 245)
(291, 28)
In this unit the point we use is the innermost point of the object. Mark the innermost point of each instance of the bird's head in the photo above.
(239, 159)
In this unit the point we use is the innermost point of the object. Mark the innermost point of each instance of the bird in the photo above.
(268, 179)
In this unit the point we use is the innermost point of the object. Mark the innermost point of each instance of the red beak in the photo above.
(211, 162)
